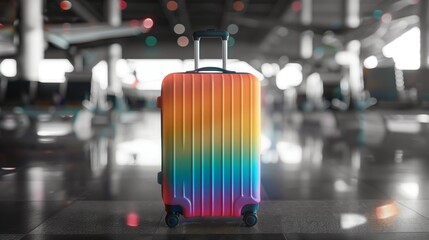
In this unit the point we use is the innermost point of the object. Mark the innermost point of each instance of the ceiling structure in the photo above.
(269, 29)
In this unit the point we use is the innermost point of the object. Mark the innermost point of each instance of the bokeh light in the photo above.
(172, 5)
(233, 29)
(231, 41)
(183, 41)
(151, 41)
(238, 6)
(296, 6)
(179, 28)
(123, 5)
(65, 5)
(148, 23)
(386, 18)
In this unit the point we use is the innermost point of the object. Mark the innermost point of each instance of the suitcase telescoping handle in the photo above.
(224, 35)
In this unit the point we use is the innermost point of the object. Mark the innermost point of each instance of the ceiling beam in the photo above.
(85, 11)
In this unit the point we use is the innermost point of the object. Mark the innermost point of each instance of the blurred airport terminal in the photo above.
(345, 115)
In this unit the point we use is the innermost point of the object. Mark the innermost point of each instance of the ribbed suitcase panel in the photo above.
(210, 137)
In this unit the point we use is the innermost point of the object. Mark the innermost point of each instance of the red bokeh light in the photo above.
(172, 5)
(132, 219)
(123, 5)
(65, 5)
(148, 23)
(238, 6)
(296, 6)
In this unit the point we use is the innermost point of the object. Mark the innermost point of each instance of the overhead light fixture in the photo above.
(289, 76)
(370, 62)
(405, 50)
(8, 68)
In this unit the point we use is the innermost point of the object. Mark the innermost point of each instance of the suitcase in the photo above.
(210, 141)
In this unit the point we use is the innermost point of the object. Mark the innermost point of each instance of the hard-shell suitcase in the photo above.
(210, 141)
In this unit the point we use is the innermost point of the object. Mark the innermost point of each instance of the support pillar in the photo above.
(424, 34)
(114, 53)
(32, 43)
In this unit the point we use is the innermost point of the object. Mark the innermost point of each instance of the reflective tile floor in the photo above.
(324, 176)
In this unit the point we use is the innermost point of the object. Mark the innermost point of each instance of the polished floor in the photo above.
(324, 176)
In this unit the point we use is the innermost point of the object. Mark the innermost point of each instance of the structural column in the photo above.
(424, 34)
(32, 44)
(114, 17)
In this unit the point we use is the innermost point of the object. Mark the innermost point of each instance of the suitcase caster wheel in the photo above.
(172, 220)
(250, 219)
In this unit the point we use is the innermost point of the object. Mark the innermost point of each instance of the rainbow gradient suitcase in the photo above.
(210, 141)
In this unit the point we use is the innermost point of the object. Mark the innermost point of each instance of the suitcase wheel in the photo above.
(250, 219)
(172, 219)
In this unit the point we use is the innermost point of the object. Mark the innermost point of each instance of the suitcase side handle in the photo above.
(210, 69)
(211, 33)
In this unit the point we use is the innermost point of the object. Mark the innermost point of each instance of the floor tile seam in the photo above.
(50, 216)
(411, 209)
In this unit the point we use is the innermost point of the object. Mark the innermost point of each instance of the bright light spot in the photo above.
(179, 28)
(238, 6)
(405, 50)
(241, 66)
(370, 62)
(172, 5)
(65, 5)
(123, 5)
(151, 72)
(296, 6)
(410, 189)
(307, 44)
(99, 73)
(289, 153)
(341, 186)
(46, 140)
(403, 126)
(8, 168)
(52, 129)
(132, 219)
(148, 23)
(314, 88)
(266, 143)
(343, 57)
(151, 41)
(386, 18)
(270, 157)
(289, 76)
(53, 70)
(351, 220)
(270, 69)
(423, 118)
(122, 68)
(183, 41)
(233, 29)
(231, 41)
(142, 152)
(8, 68)
(387, 211)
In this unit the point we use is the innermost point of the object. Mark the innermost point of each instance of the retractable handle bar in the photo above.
(211, 33)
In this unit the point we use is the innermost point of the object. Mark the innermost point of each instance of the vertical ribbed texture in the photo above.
(210, 137)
